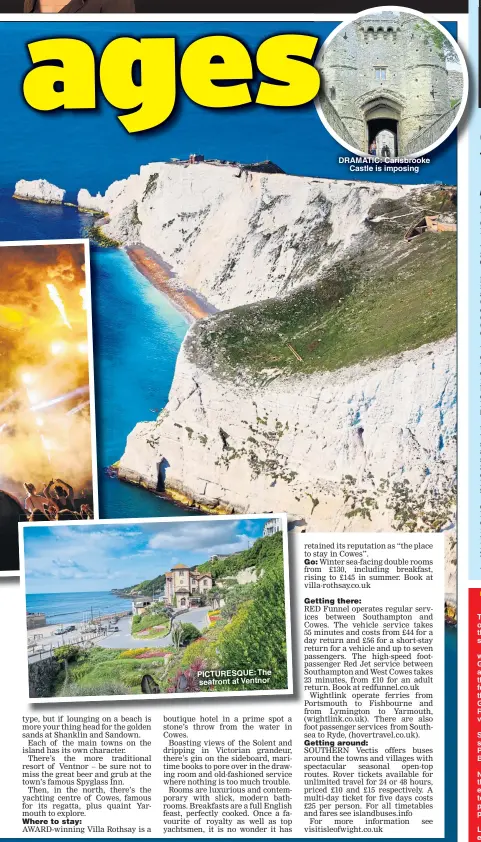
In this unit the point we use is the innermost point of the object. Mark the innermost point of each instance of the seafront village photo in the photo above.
(211, 619)
(317, 376)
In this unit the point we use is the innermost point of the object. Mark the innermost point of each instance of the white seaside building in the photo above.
(271, 527)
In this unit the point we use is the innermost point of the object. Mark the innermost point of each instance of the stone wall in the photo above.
(455, 84)
(336, 122)
(426, 138)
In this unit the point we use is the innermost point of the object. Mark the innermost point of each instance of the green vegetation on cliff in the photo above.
(258, 556)
(262, 555)
(97, 235)
(250, 633)
(149, 587)
(387, 296)
(255, 638)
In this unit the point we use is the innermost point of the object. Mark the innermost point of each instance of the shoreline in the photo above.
(44, 640)
(37, 201)
(175, 498)
(79, 617)
(80, 622)
(151, 266)
(192, 305)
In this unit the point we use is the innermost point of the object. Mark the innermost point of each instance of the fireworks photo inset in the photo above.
(46, 451)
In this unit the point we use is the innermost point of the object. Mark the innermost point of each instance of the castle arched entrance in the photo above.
(385, 135)
(382, 117)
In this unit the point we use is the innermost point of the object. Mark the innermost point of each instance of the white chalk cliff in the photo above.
(287, 439)
(39, 190)
(404, 405)
(237, 236)
(292, 443)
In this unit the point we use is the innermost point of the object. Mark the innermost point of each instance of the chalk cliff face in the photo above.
(294, 440)
(237, 236)
(294, 444)
(326, 387)
(39, 190)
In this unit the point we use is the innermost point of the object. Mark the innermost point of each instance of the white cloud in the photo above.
(64, 572)
(196, 536)
(68, 565)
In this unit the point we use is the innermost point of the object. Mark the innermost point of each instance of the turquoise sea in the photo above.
(76, 607)
(136, 343)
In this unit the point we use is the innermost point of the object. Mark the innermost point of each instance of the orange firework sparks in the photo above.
(55, 296)
(44, 367)
(45, 424)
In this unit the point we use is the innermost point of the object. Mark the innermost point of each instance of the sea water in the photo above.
(76, 607)
(137, 336)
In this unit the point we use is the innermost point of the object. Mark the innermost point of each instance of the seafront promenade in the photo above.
(43, 642)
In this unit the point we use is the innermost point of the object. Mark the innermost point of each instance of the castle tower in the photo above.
(385, 79)
(425, 77)
(339, 70)
(380, 97)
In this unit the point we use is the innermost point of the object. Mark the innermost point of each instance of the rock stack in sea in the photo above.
(39, 190)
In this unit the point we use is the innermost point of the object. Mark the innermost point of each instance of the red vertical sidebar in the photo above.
(474, 656)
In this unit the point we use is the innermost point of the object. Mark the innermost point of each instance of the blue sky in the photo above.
(99, 556)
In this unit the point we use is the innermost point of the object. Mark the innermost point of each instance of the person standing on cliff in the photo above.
(84, 6)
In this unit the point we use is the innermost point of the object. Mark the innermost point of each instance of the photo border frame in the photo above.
(202, 696)
(93, 429)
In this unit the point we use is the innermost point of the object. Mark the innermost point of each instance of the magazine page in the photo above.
(233, 308)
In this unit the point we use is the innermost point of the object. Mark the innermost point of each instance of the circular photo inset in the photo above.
(394, 83)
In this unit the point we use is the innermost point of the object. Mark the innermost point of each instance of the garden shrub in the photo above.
(262, 556)
(133, 653)
(128, 673)
(78, 671)
(190, 678)
(153, 653)
(234, 598)
(200, 648)
(105, 688)
(189, 633)
(67, 652)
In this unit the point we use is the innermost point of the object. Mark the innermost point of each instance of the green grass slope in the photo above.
(387, 296)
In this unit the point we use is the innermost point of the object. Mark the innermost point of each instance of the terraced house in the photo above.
(184, 586)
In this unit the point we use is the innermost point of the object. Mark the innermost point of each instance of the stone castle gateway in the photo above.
(384, 79)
